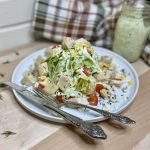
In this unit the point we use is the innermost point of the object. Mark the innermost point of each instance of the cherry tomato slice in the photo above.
(99, 87)
(40, 87)
(59, 98)
(93, 100)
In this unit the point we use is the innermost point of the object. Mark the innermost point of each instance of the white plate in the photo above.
(117, 107)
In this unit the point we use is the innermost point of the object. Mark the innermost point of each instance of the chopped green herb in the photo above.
(6, 62)
(2, 85)
(124, 90)
(8, 133)
(1, 97)
(17, 53)
(123, 71)
(2, 75)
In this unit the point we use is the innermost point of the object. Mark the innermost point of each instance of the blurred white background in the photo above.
(15, 23)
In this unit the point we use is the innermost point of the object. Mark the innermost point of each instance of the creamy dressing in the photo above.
(131, 33)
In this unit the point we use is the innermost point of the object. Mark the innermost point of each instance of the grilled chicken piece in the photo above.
(63, 82)
(81, 100)
(50, 88)
(106, 59)
(67, 43)
(43, 69)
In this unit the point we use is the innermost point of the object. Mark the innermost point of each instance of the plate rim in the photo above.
(96, 119)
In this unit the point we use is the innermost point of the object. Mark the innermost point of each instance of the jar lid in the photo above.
(137, 3)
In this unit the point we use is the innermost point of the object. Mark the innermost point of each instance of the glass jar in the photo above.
(131, 31)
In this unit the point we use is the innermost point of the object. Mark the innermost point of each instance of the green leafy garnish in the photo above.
(8, 133)
(1, 97)
(2, 85)
(6, 62)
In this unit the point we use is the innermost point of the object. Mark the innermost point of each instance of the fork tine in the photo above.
(42, 94)
(46, 97)
(37, 92)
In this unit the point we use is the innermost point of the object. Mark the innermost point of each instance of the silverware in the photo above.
(117, 117)
(90, 129)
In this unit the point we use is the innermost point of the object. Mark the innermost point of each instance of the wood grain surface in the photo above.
(37, 134)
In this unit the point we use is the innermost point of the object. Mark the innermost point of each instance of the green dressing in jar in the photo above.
(131, 33)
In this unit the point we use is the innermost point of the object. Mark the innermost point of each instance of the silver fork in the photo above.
(117, 117)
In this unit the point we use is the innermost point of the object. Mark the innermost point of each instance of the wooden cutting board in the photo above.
(37, 134)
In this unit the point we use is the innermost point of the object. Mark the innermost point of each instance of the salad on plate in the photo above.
(74, 72)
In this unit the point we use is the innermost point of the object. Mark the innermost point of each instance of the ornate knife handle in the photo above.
(89, 128)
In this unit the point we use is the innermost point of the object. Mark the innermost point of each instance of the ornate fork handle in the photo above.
(89, 128)
(106, 114)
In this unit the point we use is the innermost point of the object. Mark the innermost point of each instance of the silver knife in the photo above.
(90, 129)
